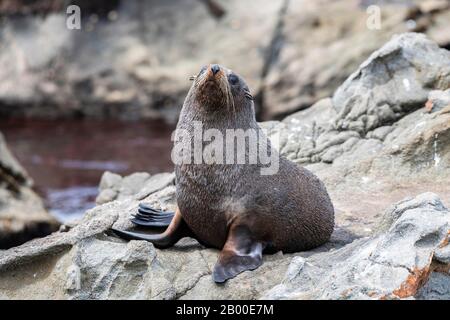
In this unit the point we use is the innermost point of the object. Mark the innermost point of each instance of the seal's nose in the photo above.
(215, 68)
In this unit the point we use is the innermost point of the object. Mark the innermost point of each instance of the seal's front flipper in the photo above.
(239, 254)
(174, 232)
(150, 217)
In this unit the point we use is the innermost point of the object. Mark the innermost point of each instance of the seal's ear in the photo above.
(239, 254)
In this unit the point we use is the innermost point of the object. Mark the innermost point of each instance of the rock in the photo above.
(379, 133)
(438, 100)
(11, 171)
(420, 142)
(421, 202)
(437, 287)
(392, 83)
(295, 267)
(105, 196)
(442, 254)
(110, 180)
(109, 188)
(22, 214)
(87, 262)
(320, 112)
(395, 264)
(398, 77)
(133, 183)
(441, 33)
(322, 44)
(140, 185)
(104, 263)
(156, 183)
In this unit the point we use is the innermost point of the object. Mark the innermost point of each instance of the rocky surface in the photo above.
(384, 155)
(395, 264)
(86, 262)
(393, 82)
(138, 185)
(22, 214)
(134, 60)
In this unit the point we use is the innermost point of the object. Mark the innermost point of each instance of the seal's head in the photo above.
(217, 88)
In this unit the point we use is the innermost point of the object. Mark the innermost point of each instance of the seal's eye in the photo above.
(233, 79)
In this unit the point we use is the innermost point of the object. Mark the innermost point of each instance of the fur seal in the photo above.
(233, 207)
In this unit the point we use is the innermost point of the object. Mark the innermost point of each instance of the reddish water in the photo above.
(67, 158)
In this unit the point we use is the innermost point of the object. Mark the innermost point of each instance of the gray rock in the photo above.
(106, 195)
(392, 82)
(379, 133)
(393, 265)
(11, 167)
(133, 183)
(373, 114)
(156, 183)
(424, 201)
(22, 213)
(420, 141)
(110, 180)
(139, 185)
(438, 100)
(429, 6)
(295, 267)
(442, 254)
(437, 287)
(111, 270)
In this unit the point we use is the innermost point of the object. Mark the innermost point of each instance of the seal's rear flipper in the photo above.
(149, 217)
(174, 232)
(239, 254)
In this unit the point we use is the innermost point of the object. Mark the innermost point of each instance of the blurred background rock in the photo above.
(132, 59)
